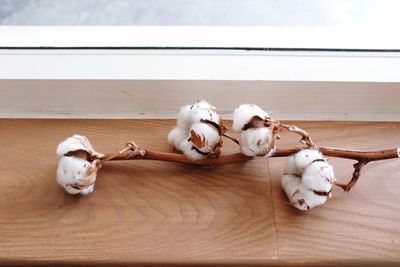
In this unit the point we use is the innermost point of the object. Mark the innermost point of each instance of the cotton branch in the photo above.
(279, 152)
(233, 139)
(363, 157)
(180, 158)
(133, 149)
(305, 137)
(356, 174)
(198, 135)
(133, 152)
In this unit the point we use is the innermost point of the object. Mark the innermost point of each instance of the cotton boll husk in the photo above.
(297, 162)
(72, 170)
(210, 134)
(209, 137)
(244, 113)
(255, 141)
(176, 136)
(75, 143)
(318, 176)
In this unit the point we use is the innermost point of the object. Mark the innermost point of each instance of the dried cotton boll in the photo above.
(291, 185)
(76, 143)
(319, 177)
(203, 110)
(310, 184)
(76, 175)
(305, 199)
(297, 162)
(198, 132)
(203, 141)
(78, 165)
(255, 141)
(256, 138)
(244, 114)
(176, 136)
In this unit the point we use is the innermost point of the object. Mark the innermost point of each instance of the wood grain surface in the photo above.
(147, 212)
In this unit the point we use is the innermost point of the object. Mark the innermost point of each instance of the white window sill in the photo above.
(147, 72)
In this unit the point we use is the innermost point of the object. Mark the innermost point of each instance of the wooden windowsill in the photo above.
(158, 212)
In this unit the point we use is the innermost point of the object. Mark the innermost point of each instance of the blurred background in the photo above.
(292, 13)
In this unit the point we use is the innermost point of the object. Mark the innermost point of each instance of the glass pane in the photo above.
(287, 13)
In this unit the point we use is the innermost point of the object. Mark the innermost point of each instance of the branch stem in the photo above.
(231, 138)
(358, 155)
(180, 158)
(280, 152)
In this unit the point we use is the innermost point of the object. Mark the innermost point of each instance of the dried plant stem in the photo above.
(180, 158)
(231, 138)
(130, 146)
(133, 152)
(280, 152)
(363, 157)
(305, 137)
(356, 174)
(358, 155)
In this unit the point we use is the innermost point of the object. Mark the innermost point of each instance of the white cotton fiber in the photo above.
(318, 176)
(206, 137)
(308, 179)
(243, 115)
(74, 143)
(184, 117)
(205, 112)
(297, 162)
(290, 183)
(255, 141)
(187, 148)
(201, 110)
(207, 131)
(196, 133)
(176, 136)
(72, 171)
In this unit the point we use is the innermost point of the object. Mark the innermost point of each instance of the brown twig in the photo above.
(363, 157)
(305, 137)
(231, 138)
(180, 158)
(358, 155)
(280, 152)
(130, 146)
(133, 152)
(356, 174)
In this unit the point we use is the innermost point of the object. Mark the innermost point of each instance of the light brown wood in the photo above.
(162, 212)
